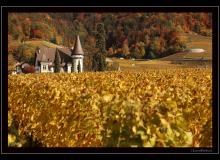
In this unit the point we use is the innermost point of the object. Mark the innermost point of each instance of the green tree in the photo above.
(99, 62)
(25, 53)
(100, 38)
(197, 28)
(57, 62)
(151, 55)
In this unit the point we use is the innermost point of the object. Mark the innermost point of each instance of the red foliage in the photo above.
(173, 34)
(28, 69)
(36, 33)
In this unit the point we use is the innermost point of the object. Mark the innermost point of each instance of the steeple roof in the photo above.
(77, 47)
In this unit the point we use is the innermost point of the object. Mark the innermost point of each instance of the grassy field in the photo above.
(194, 41)
(137, 65)
(42, 43)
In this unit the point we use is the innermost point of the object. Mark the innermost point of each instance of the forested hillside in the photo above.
(139, 35)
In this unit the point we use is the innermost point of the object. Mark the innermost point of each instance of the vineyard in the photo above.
(151, 108)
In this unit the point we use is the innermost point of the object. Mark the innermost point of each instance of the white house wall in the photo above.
(69, 68)
(76, 63)
(44, 70)
(77, 59)
(81, 62)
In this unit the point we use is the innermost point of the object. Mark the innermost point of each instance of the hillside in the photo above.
(176, 60)
(194, 41)
(138, 35)
(41, 43)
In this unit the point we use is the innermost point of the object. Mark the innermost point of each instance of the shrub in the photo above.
(28, 69)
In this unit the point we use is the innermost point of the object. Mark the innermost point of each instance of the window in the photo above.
(44, 67)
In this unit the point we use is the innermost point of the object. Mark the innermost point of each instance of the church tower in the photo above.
(77, 56)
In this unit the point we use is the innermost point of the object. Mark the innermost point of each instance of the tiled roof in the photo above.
(48, 54)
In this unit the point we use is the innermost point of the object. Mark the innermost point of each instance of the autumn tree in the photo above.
(174, 42)
(25, 53)
(142, 49)
(110, 52)
(57, 62)
(11, 62)
(125, 48)
(135, 52)
(89, 52)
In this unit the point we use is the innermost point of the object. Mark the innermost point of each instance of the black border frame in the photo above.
(213, 9)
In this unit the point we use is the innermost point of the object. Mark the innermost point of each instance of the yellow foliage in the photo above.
(168, 108)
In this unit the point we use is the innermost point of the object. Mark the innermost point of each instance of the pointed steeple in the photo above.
(77, 47)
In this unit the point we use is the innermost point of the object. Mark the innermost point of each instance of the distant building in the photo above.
(197, 50)
(108, 60)
(18, 67)
(71, 59)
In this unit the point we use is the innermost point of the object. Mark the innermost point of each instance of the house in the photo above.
(108, 60)
(15, 68)
(23, 67)
(18, 67)
(71, 60)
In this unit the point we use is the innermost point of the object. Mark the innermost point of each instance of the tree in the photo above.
(151, 55)
(89, 52)
(99, 59)
(125, 48)
(110, 52)
(99, 63)
(100, 38)
(57, 62)
(135, 52)
(11, 62)
(174, 42)
(196, 28)
(142, 48)
(25, 52)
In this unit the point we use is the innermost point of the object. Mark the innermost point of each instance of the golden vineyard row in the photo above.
(168, 108)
